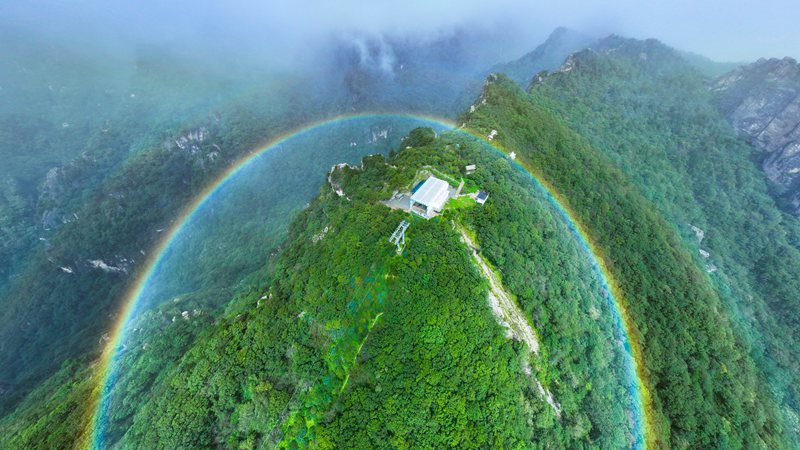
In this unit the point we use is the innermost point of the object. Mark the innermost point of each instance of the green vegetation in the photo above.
(58, 412)
(114, 202)
(91, 172)
(348, 326)
(463, 202)
(92, 169)
(331, 339)
(704, 385)
(348, 343)
(656, 120)
(55, 414)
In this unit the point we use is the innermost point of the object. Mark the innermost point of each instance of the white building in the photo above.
(430, 198)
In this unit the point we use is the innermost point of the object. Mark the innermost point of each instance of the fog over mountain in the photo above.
(288, 32)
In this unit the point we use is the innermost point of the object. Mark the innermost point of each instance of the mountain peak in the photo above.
(562, 32)
(777, 69)
(636, 47)
(550, 55)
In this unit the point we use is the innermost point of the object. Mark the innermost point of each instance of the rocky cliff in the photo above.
(762, 101)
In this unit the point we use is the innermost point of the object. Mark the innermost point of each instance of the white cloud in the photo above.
(724, 30)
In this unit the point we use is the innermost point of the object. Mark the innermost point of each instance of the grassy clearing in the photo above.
(460, 203)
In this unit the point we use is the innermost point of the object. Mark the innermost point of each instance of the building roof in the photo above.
(470, 167)
(433, 193)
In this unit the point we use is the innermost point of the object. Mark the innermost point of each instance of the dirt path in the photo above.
(503, 305)
(510, 316)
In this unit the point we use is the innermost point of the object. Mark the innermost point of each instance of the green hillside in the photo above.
(705, 385)
(655, 118)
(329, 338)
(348, 328)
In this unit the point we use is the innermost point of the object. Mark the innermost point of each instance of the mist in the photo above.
(284, 34)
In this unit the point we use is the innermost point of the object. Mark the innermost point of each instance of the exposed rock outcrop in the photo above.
(762, 101)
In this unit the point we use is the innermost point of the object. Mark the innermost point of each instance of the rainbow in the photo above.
(107, 367)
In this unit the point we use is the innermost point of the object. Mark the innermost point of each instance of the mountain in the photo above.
(386, 73)
(342, 326)
(289, 319)
(82, 203)
(708, 66)
(651, 113)
(762, 101)
(87, 225)
(547, 56)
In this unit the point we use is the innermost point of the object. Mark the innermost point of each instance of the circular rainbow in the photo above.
(94, 437)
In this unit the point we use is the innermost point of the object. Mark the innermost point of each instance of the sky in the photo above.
(732, 30)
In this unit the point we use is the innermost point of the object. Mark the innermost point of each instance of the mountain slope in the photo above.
(419, 324)
(82, 203)
(341, 341)
(344, 326)
(652, 114)
(762, 101)
(547, 56)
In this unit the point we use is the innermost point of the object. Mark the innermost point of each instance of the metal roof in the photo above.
(433, 193)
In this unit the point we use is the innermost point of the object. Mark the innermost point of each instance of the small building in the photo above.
(429, 198)
(470, 169)
(481, 197)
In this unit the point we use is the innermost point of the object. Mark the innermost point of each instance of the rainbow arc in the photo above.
(108, 366)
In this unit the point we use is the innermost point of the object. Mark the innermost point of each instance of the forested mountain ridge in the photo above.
(341, 324)
(550, 55)
(762, 101)
(82, 203)
(95, 225)
(706, 388)
(652, 113)
(690, 347)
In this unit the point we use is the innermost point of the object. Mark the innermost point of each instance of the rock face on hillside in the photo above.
(762, 101)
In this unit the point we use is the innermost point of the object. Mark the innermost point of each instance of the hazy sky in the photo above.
(731, 30)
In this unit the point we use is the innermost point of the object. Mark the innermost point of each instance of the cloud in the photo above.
(283, 29)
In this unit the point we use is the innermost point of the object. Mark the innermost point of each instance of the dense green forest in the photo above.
(706, 388)
(102, 152)
(323, 336)
(69, 181)
(85, 196)
(351, 292)
(110, 210)
(343, 329)
(342, 325)
(655, 118)
(135, 173)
